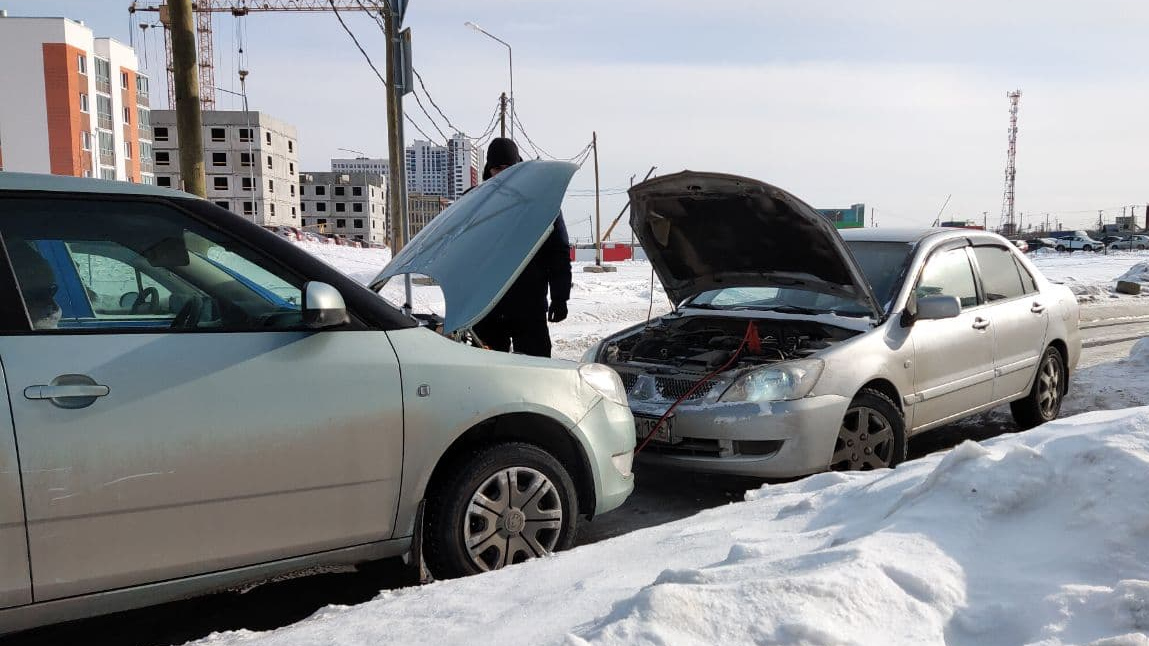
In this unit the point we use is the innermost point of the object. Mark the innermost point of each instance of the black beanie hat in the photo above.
(501, 152)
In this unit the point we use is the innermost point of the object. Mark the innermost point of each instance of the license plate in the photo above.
(644, 425)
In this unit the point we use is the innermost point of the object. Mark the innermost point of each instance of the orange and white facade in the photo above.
(71, 103)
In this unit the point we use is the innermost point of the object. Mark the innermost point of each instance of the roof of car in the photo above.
(10, 181)
(895, 234)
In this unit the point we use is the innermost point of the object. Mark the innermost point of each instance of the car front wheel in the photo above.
(872, 434)
(1060, 247)
(1043, 403)
(505, 504)
(1087, 248)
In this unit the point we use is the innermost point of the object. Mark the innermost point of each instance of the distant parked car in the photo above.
(1078, 243)
(1138, 242)
(1108, 240)
(1041, 243)
(1021, 245)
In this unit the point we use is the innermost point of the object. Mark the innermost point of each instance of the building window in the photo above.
(339, 191)
(224, 205)
(123, 80)
(83, 102)
(358, 223)
(321, 206)
(163, 180)
(145, 151)
(293, 211)
(291, 168)
(321, 190)
(245, 183)
(82, 64)
(127, 116)
(86, 140)
(143, 118)
(340, 207)
(148, 179)
(245, 159)
(141, 87)
(357, 207)
(303, 206)
(321, 221)
(245, 135)
(107, 173)
(247, 208)
(269, 164)
(219, 183)
(160, 133)
(87, 173)
(292, 191)
(270, 186)
(290, 145)
(268, 137)
(340, 223)
(218, 134)
(302, 190)
(271, 209)
(163, 158)
(357, 191)
(127, 150)
(219, 159)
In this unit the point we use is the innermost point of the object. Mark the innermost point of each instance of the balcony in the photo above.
(103, 85)
(107, 158)
(145, 133)
(146, 166)
(104, 121)
(142, 99)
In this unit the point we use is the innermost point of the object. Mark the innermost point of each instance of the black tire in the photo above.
(1087, 247)
(881, 444)
(1043, 403)
(449, 517)
(1060, 247)
(1140, 247)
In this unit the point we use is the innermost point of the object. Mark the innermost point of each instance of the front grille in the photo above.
(673, 388)
(663, 387)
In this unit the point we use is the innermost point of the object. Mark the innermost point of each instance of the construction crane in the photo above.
(204, 9)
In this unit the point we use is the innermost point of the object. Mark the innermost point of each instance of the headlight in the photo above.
(779, 382)
(605, 381)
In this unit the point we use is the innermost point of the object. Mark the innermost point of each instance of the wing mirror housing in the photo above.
(323, 306)
(931, 308)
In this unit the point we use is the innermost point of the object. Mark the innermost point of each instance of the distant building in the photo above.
(851, 218)
(250, 160)
(353, 205)
(71, 103)
(421, 209)
(376, 165)
(447, 171)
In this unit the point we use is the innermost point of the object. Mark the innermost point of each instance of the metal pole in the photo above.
(511, 68)
(597, 212)
(503, 114)
(189, 118)
(397, 184)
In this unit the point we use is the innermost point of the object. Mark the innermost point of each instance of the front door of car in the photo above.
(953, 358)
(173, 415)
(1019, 319)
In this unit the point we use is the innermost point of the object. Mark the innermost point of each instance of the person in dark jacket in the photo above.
(519, 320)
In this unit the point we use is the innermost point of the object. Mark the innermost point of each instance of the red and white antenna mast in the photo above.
(1007, 222)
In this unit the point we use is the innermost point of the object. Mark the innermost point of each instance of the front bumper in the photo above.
(765, 440)
(608, 434)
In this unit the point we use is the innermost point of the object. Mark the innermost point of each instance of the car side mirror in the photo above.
(323, 306)
(938, 307)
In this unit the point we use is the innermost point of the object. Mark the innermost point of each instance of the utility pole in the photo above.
(189, 118)
(399, 78)
(597, 213)
(503, 114)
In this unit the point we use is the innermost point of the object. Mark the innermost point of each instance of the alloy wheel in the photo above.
(865, 441)
(1049, 387)
(516, 514)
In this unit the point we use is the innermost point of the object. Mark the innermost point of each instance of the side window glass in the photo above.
(105, 265)
(948, 273)
(1027, 280)
(999, 274)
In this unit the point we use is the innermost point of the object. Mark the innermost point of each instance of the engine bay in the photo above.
(702, 344)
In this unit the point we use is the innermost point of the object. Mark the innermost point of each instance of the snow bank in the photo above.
(1041, 537)
(1138, 273)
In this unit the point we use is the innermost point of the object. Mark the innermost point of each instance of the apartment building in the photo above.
(353, 205)
(72, 103)
(421, 209)
(250, 158)
(376, 165)
(447, 171)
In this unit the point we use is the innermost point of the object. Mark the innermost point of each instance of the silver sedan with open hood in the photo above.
(793, 349)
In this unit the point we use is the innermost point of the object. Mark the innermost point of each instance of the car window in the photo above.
(108, 265)
(999, 274)
(1027, 280)
(948, 273)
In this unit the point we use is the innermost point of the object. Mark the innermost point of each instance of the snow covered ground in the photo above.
(1033, 538)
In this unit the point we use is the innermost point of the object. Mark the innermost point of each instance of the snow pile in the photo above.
(1091, 276)
(1138, 273)
(362, 264)
(1119, 384)
(1041, 537)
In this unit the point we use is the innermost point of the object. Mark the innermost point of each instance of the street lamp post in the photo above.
(510, 67)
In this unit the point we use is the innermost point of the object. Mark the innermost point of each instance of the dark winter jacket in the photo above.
(550, 268)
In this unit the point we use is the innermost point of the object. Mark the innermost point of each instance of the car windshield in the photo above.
(883, 264)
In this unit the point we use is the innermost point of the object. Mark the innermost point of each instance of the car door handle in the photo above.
(56, 392)
(1037, 308)
(980, 323)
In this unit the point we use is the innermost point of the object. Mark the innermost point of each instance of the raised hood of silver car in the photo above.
(705, 231)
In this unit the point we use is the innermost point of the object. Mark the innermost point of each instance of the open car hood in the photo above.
(705, 231)
(480, 244)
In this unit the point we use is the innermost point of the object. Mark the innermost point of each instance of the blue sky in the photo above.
(894, 103)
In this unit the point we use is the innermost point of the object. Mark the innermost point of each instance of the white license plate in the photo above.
(644, 425)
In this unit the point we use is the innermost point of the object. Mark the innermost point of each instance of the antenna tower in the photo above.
(1008, 225)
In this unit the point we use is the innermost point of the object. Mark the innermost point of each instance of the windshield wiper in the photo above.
(789, 309)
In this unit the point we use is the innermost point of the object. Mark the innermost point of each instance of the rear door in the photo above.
(1019, 316)
(953, 357)
(175, 418)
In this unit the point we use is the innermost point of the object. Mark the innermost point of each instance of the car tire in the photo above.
(1060, 247)
(502, 532)
(872, 434)
(1087, 248)
(1043, 403)
(1140, 247)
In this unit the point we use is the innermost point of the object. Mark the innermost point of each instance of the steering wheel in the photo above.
(146, 302)
(188, 316)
